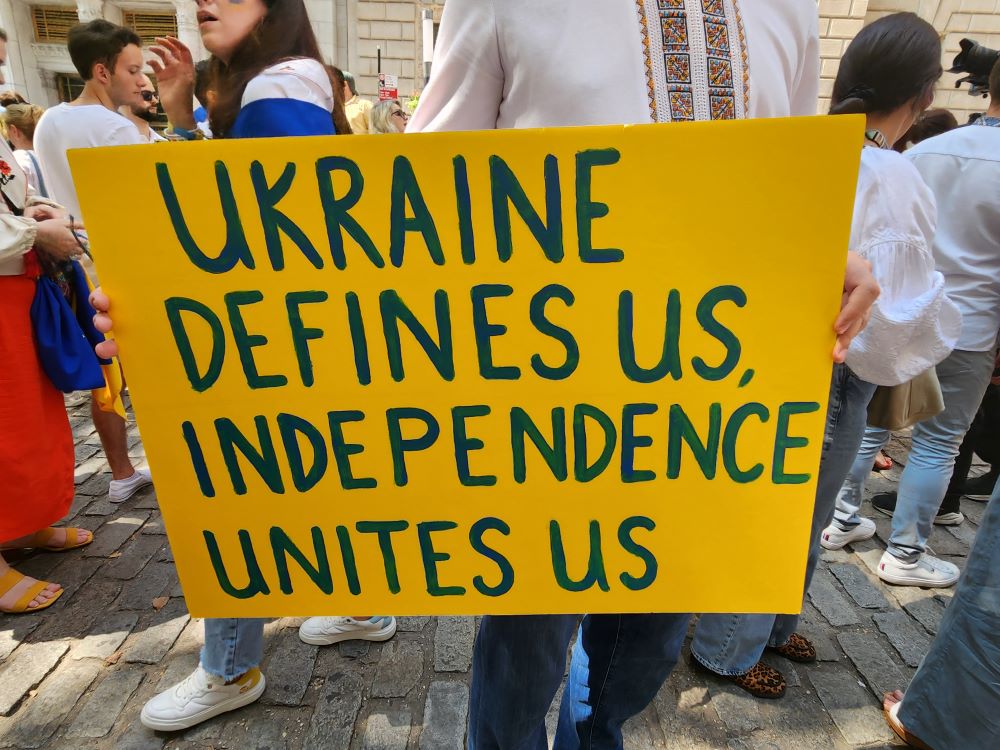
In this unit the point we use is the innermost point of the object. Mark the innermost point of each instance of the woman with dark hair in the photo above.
(269, 80)
(888, 73)
(931, 123)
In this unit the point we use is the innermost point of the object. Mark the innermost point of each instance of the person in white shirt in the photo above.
(550, 63)
(19, 123)
(109, 59)
(141, 115)
(962, 170)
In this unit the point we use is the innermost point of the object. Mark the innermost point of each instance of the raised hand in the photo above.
(174, 72)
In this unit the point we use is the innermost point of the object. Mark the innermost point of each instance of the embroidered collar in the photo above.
(988, 121)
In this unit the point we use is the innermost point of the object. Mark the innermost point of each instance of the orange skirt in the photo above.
(36, 443)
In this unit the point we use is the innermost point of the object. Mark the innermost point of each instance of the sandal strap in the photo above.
(11, 578)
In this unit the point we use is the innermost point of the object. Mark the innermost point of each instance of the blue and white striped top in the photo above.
(292, 98)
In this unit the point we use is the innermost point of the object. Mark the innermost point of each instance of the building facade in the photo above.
(369, 36)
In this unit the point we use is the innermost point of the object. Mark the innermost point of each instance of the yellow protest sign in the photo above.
(574, 370)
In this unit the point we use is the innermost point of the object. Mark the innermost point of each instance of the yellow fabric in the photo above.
(359, 114)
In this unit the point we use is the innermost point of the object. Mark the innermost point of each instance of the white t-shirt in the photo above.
(68, 126)
(962, 169)
(550, 63)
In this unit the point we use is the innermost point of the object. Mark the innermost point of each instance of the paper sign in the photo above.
(559, 371)
(388, 87)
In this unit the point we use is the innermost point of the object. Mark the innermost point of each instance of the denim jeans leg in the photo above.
(853, 490)
(232, 647)
(731, 644)
(846, 420)
(964, 377)
(517, 666)
(952, 700)
(619, 664)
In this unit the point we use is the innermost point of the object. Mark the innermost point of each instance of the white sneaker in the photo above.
(122, 489)
(927, 571)
(198, 698)
(323, 631)
(834, 538)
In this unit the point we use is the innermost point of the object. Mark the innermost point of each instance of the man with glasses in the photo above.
(142, 114)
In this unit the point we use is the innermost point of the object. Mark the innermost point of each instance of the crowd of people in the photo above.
(920, 318)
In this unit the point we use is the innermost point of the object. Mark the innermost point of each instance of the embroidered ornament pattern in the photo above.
(6, 174)
(696, 59)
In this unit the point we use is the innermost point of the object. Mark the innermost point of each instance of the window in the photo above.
(70, 87)
(53, 22)
(150, 25)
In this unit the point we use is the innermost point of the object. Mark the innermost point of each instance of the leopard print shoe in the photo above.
(761, 681)
(797, 649)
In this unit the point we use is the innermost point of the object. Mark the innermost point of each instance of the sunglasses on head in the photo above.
(148, 96)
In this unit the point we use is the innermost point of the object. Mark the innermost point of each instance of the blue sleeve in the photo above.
(275, 118)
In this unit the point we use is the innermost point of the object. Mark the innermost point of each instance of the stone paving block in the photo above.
(74, 620)
(411, 624)
(14, 630)
(155, 580)
(685, 711)
(97, 486)
(337, 707)
(833, 606)
(796, 721)
(147, 499)
(859, 587)
(354, 649)
(98, 715)
(737, 708)
(103, 507)
(945, 544)
(71, 572)
(826, 648)
(872, 661)
(264, 728)
(155, 525)
(28, 666)
(84, 451)
(973, 510)
(870, 557)
(387, 731)
(168, 554)
(453, 641)
(183, 658)
(289, 670)
(851, 707)
(399, 669)
(928, 612)
(114, 534)
(134, 557)
(86, 471)
(108, 633)
(965, 533)
(445, 715)
(41, 716)
(909, 639)
(149, 646)
(643, 732)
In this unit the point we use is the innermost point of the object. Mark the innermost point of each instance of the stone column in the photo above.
(89, 10)
(187, 28)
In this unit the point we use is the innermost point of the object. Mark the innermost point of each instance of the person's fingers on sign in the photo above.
(860, 292)
(102, 322)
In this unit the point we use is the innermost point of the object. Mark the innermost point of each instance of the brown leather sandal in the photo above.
(797, 649)
(761, 681)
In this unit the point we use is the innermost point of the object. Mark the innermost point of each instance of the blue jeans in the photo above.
(619, 664)
(964, 377)
(232, 647)
(952, 700)
(731, 644)
(853, 492)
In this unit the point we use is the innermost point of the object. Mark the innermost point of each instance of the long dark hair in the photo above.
(891, 61)
(341, 124)
(282, 34)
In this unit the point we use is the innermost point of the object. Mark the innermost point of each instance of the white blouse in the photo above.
(913, 324)
(550, 63)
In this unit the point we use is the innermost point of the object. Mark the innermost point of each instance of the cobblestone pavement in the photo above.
(77, 675)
